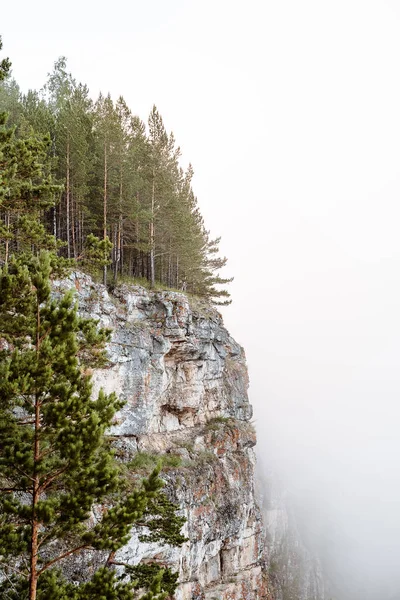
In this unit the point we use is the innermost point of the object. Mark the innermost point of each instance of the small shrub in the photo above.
(146, 461)
(218, 422)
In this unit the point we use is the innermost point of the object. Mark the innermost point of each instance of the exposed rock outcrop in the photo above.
(184, 380)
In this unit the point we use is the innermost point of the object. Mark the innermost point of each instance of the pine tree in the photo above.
(36, 115)
(72, 112)
(95, 254)
(135, 243)
(27, 191)
(10, 101)
(209, 278)
(163, 175)
(158, 141)
(107, 136)
(124, 141)
(5, 64)
(55, 461)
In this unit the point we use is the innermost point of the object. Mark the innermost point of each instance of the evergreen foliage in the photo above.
(27, 192)
(144, 575)
(5, 64)
(56, 462)
(96, 253)
(121, 181)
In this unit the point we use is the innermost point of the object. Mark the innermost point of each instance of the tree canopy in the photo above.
(119, 180)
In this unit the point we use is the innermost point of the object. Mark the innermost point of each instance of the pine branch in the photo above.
(61, 557)
(43, 486)
(13, 569)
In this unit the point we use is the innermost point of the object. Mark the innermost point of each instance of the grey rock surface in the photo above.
(184, 382)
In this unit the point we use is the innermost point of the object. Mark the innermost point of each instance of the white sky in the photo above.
(290, 114)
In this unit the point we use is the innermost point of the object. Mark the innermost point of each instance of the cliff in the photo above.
(184, 381)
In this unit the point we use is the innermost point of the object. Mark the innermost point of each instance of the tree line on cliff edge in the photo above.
(118, 191)
(63, 493)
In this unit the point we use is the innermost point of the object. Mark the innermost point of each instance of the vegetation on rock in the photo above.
(120, 183)
(56, 463)
(62, 491)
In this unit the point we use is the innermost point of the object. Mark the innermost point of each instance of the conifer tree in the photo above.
(124, 209)
(107, 135)
(163, 174)
(135, 243)
(55, 460)
(36, 115)
(10, 101)
(158, 141)
(27, 191)
(211, 279)
(72, 112)
(5, 64)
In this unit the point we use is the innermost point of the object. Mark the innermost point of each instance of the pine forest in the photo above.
(92, 180)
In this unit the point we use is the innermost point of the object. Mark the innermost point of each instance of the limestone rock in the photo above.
(184, 382)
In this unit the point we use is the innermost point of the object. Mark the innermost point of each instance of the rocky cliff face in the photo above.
(184, 380)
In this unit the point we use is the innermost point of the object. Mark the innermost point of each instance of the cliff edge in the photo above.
(184, 381)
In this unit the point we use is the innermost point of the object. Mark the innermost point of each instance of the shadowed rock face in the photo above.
(184, 381)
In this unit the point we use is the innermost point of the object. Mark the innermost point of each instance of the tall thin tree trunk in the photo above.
(138, 268)
(152, 265)
(35, 524)
(55, 222)
(7, 240)
(105, 212)
(59, 219)
(118, 236)
(33, 578)
(78, 231)
(122, 265)
(81, 241)
(114, 234)
(73, 225)
(54, 208)
(170, 284)
(68, 193)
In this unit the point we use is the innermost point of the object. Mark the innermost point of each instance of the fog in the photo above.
(325, 385)
(289, 112)
(317, 303)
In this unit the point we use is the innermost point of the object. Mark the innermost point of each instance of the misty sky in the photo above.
(290, 113)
